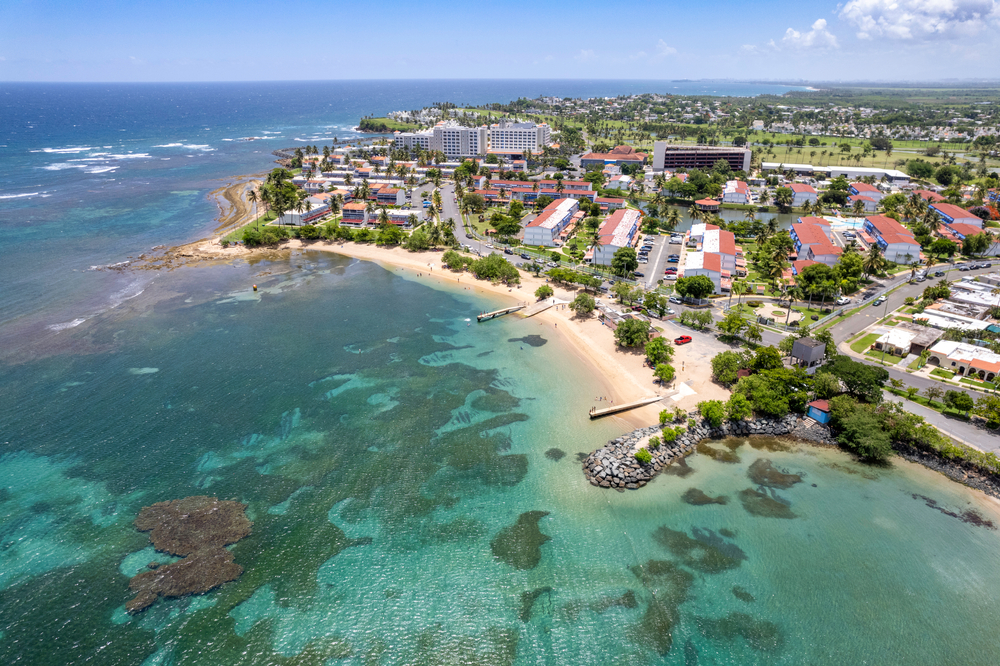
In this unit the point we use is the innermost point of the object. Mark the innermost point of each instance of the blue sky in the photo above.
(181, 40)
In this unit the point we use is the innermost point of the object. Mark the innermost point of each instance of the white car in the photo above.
(670, 311)
(672, 276)
(843, 300)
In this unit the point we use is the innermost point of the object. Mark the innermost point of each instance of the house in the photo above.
(609, 204)
(723, 243)
(389, 196)
(708, 264)
(952, 214)
(802, 193)
(866, 190)
(619, 183)
(803, 235)
(807, 352)
(544, 229)
(965, 359)
(819, 411)
(868, 205)
(906, 338)
(737, 192)
(895, 240)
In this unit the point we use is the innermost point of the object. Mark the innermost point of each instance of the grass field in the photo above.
(862, 345)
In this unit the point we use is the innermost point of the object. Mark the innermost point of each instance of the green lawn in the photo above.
(864, 343)
(936, 406)
(237, 233)
(890, 359)
(978, 383)
(915, 365)
(944, 374)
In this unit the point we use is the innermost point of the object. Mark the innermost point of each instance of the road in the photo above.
(965, 432)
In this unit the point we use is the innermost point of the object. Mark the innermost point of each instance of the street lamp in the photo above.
(884, 315)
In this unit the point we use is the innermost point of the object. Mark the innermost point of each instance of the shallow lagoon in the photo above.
(408, 507)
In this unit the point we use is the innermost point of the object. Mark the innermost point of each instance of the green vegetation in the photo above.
(384, 126)
(495, 268)
(583, 304)
(632, 333)
(644, 456)
(543, 292)
(658, 351)
(713, 411)
(864, 344)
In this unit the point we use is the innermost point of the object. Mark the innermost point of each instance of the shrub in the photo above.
(670, 434)
(544, 291)
(654, 442)
(738, 407)
(754, 304)
(712, 411)
(691, 424)
(665, 416)
(679, 414)
(644, 456)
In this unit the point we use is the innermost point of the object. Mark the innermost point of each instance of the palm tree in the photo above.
(932, 220)
(672, 219)
(873, 260)
(383, 215)
(253, 197)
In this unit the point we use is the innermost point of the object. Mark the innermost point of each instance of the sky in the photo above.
(211, 40)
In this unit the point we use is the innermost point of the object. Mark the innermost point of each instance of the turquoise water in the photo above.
(394, 461)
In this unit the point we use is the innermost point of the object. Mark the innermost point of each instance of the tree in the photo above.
(932, 393)
(766, 358)
(732, 324)
(658, 351)
(632, 333)
(738, 407)
(873, 261)
(624, 261)
(959, 400)
(665, 373)
(726, 365)
(826, 385)
(713, 411)
(861, 380)
(583, 304)
(783, 198)
(698, 286)
(544, 291)
(988, 407)
(643, 456)
(861, 432)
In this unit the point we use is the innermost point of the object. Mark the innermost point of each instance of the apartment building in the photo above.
(618, 231)
(670, 157)
(519, 137)
(450, 138)
(544, 229)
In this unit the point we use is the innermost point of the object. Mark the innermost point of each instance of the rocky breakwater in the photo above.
(614, 465)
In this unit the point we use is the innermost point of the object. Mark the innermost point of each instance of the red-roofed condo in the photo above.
(708, 264)
(544, 229)
(866, 190)
(618, 231)
(825, 253)
(895, 240)
(802, 193)
(950, 214)
(868, 204)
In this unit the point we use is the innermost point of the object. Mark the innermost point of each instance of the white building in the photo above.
(802, 193)
(544, 229)
(965, 359)
(519, 136)
(737, 192)
(708, 264)
(449, 137)
(618, 231)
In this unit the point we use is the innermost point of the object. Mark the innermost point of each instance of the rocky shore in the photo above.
(614, 464)
(966, 475)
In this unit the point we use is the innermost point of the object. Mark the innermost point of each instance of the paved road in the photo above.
(960, 430)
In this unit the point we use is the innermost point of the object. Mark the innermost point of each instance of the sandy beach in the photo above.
(619, 374)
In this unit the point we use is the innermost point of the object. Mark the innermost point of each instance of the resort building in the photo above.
(895, 240)
(448, 137)
(802, 193)
(609, 204)
(619, 230)
(965, 359)
(866, 190)
(310, 216)
(670, 157)
(736, 192)
(619, 156)
(952, 214)
(708, 264)
(722, 243)
(519, 137)
(927, 195)
(619, 183)
(868, 205)
(355, 213)
(545, 228)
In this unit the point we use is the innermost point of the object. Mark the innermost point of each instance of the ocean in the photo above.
(413, 477)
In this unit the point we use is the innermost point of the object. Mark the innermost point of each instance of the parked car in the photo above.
(673, 260)
(938, 273)
(643, 260)
(683, 340)
(507, 250)
(670, 311)
(670, 271)
(552, 264)
(843, 300)
(963, 268)
(674, 299)
(638, 274)
(879, 301)
(988, 265)
(671, 276)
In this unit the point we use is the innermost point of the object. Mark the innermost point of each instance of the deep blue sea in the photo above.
(413, 479)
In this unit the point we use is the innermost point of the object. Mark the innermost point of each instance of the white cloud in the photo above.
(586, 55)
(663, 49)
(818, 37)
(920, 19)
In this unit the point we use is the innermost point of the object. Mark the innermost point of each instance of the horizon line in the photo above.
(754, 81)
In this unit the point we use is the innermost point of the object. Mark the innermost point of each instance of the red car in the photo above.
(683, 340)
(670, 271)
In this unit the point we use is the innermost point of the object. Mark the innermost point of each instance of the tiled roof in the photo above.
(952, 211)
(887, 225)
(801, 187)
(864, 187)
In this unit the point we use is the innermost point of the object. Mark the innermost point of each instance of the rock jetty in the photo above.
(614, 464)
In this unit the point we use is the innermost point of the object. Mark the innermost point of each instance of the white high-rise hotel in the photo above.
(519, 137)
(456, 141)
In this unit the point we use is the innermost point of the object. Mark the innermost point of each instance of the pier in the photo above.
(486, 316)
(596, 413)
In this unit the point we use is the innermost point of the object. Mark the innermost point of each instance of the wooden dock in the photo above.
(486, 316)
(596, 413)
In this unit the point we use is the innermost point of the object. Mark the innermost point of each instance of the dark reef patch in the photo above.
(605, 603)
(555, 454)
(697, 497)
(743, 595)
(680, 468)
(725, 455)
(667, 585)
(706, 551)
(495, 402)
(969, 516)
(760, 635)
(198, 529)
(528, 600)
(770, 444)
(520, 544)
(763, 473)
(728, 533)
(533, 340)
(758, 503)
